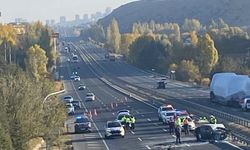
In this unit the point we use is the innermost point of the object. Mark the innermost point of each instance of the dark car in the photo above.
(161, 85)
(211, 132)
(81, 87)
(82, 124)
(77, 104)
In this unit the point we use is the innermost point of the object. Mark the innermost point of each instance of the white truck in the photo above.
(230, 89)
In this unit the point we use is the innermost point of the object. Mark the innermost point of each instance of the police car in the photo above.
(163, 109)
(82, 124)
(167, 115)
(114, 128)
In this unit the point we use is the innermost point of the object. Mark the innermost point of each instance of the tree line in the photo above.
(25, 80)
(192, 50)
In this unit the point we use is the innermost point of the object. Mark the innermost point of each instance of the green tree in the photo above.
(147, 53)
(188, 71)
(126, 41)
(207, 56)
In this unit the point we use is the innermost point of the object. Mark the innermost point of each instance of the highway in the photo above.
(149, 132)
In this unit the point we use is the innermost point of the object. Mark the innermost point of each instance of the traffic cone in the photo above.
(126, 99)
(95, 112)
(116, 105)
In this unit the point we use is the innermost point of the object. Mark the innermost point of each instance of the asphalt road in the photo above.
(148, 134)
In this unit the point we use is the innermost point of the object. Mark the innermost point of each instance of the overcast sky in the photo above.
(52, 9)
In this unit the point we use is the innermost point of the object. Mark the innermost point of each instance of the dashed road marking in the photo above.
(165, 130)
(148, 147)
(149, 119)
(156, 124)
(132, 132)
(139, 139)
(142, 115)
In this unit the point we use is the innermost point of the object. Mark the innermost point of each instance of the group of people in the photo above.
(129, 121)
(176, 124)
(212, 120)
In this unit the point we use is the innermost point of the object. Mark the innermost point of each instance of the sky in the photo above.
(34, 10)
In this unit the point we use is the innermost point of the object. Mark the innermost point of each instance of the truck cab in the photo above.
(245, 104)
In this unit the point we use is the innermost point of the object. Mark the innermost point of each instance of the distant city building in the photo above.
(85, 17)
(77, 18)
(19, 26)
(62, 19)
(20, 20)
(52, 22)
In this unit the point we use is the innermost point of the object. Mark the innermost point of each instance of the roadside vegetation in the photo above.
(27, 58)
(194, 51)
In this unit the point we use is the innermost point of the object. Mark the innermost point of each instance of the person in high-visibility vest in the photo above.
(178, 121)
(132, 120)
(213, 120)
(128, 121)
(123, 121)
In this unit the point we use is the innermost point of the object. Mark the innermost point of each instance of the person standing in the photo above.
(132, 120)
(186, 128)
(171, 125)
(178, 134)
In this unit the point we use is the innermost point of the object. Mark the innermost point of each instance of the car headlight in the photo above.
(108, 130)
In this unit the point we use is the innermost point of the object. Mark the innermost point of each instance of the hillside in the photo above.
(233, 12)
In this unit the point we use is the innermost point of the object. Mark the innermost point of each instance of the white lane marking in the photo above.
(113, 114)
(165, 130)
(128, 106)
(137, 111)
(232, 145)
(139, 139)
(142, 115)
(148, 147)
(132, 132)
(149, 119)
(174, 136)
(156, 124)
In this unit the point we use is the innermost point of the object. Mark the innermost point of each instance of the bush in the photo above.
(205, 81)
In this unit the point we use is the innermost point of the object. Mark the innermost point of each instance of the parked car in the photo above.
(77, 104)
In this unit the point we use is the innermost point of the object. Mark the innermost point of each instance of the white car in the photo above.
(114, 128)
(166, 115)
(245, 104)
(70, 108)
(77, 78)
(163, 109)
(68, 99)
(72, 77)
(123, 111)
(90, 97)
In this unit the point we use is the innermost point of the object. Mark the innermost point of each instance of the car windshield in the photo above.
(67, 97)
(69, 105)
(90, 94)
(75, 102)
(170, 114)
(248, 101)
(166, 108)
(114, 124)
(82, 120)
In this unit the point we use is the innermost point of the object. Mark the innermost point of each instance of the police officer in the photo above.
(132, 120)
(178, 121)
(123, 121)
(171, 125)
(178, 134)
(127, 121)
(213, 120)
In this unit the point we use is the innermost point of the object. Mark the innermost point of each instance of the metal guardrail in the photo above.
(228, 117)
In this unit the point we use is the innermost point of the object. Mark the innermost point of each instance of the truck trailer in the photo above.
(229, 89)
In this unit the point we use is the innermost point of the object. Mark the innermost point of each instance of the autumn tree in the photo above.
(126, 41)
(191, 25)
(114, 36)
(37, 61)
(188, 71)
(207, 56)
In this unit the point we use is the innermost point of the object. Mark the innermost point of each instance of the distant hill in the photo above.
(233, 12)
